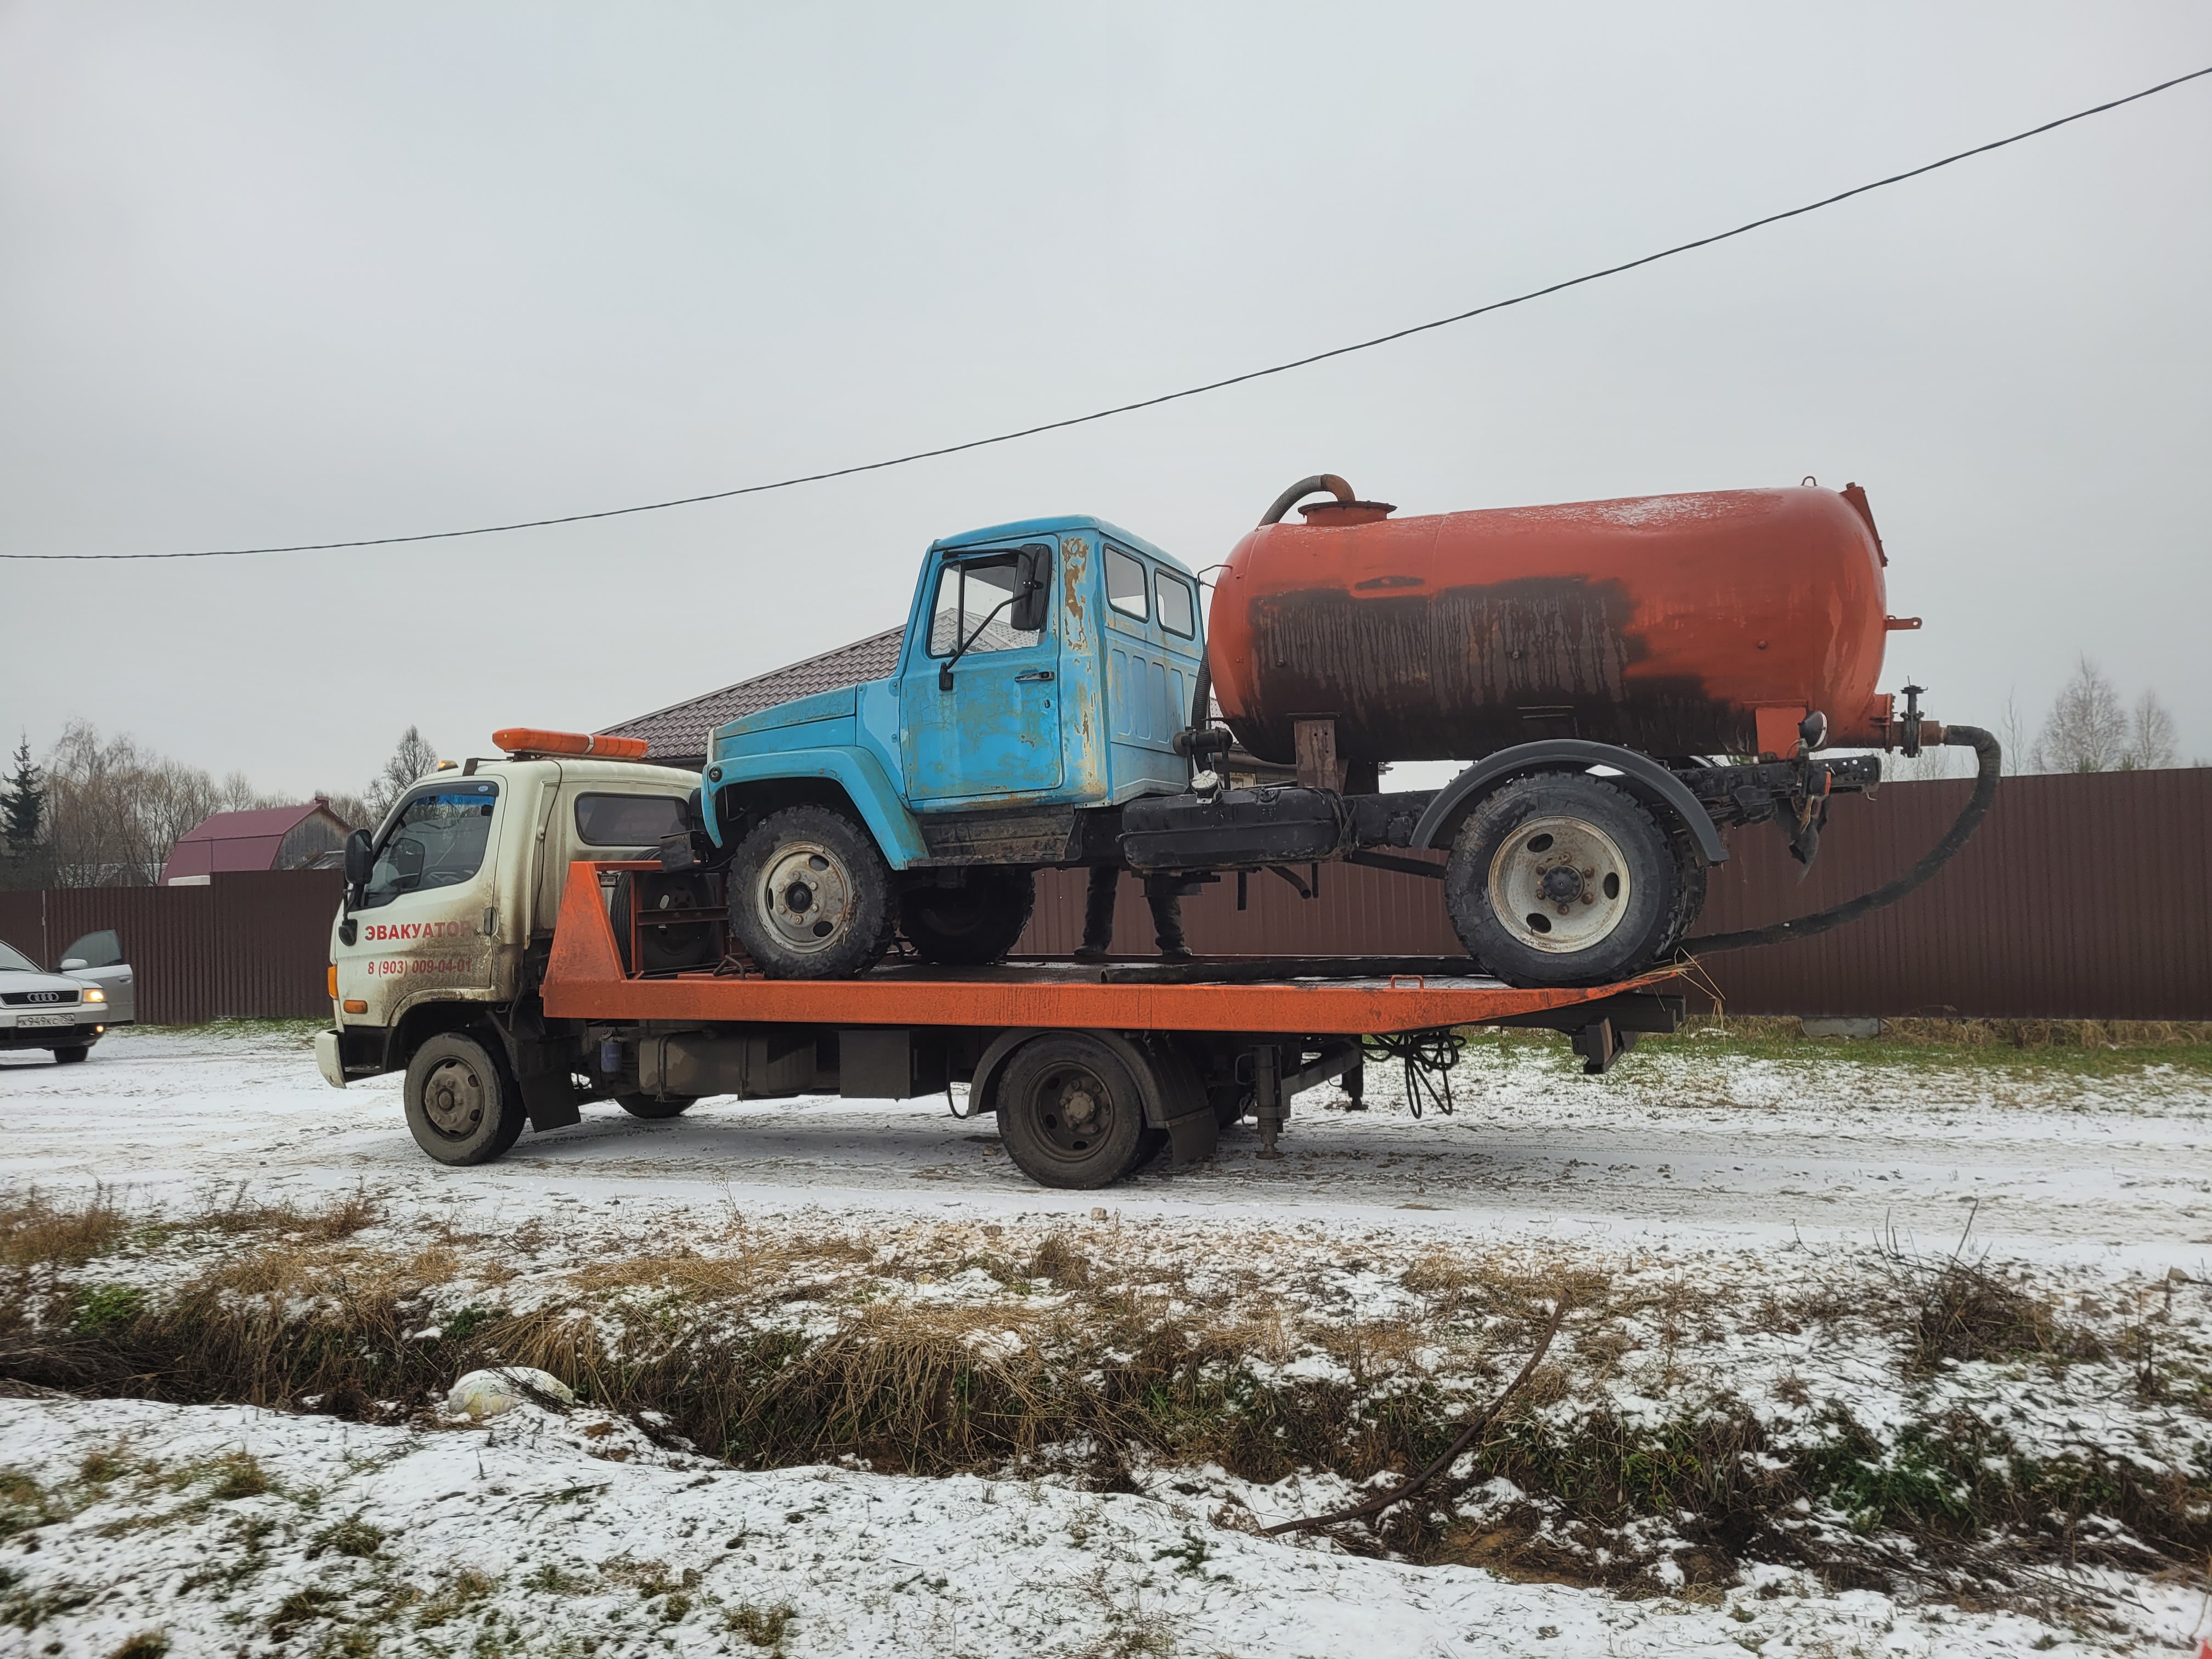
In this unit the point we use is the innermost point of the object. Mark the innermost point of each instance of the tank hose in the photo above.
(1989, 758)
(1303, 488)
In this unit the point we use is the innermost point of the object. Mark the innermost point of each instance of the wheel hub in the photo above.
(1075, 1112)
(1559, 885)
(807, 897)
(453, 1098)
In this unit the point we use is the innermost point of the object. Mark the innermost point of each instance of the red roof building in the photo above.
(269, 838)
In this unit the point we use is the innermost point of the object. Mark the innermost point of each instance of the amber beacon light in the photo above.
(528, 740)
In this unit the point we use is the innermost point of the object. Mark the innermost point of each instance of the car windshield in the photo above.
(437, 840)
(15, 961)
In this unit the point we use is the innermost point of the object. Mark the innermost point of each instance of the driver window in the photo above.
(437, 840)
(968, 591)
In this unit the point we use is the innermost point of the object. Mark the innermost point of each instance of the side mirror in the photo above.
(72, 964)
(360, 859)
(1032, 608)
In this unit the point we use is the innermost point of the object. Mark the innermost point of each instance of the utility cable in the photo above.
(1165, 397)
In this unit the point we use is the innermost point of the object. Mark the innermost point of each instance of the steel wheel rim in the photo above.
(1073, 1112)
(453, 1098)
(1559, 886)
(806, 897)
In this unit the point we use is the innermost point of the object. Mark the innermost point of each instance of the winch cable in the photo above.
(1989, 757)
(1198, 390)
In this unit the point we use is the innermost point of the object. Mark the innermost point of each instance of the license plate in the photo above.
(22, 1020)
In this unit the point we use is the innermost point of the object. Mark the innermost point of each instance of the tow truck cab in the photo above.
(450, 906)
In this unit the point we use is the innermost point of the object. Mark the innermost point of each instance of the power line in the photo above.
(1165, 397)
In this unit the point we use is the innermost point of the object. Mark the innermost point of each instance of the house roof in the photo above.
(678, 734)
(241, 840)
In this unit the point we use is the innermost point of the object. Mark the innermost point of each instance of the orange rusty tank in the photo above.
(1665, 624)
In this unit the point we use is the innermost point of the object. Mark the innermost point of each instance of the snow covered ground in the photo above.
(1712, 1192)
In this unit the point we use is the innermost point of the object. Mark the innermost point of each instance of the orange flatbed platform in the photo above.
(585, 980)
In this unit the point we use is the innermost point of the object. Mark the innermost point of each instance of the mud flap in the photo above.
(550, 1097)
(1192, 1138)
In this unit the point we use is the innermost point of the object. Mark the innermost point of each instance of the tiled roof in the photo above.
(678, 734)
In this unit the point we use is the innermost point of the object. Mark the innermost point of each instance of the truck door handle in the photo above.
(1034, 677)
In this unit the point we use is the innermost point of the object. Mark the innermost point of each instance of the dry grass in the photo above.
(2016, 1033)
(773, 1350)
(37, 1230)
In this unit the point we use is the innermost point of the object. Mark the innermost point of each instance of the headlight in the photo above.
(94, 994)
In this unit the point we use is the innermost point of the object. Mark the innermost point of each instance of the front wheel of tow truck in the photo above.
(1564, 879)
(811, 897)
(970, 926)
(1069, 1112)
(463, 1104)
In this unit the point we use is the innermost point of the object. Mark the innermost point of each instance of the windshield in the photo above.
(437, 840)
(15, 960)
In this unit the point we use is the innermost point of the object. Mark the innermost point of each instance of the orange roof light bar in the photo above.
(529, 740)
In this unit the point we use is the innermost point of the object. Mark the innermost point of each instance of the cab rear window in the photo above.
(627, 820)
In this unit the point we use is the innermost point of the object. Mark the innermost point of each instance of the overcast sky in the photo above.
(289, 272)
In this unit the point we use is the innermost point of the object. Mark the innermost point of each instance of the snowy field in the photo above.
(1741, 1231)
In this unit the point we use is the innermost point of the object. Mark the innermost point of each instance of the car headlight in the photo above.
(94, 994)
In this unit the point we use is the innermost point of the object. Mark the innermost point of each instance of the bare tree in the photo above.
(2150, 735)
(351, 808)
(2012, 733)
(2087, 730)
(412, 759)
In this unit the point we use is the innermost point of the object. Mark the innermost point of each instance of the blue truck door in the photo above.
(995, 732)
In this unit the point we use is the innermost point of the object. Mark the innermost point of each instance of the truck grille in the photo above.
(37, 999)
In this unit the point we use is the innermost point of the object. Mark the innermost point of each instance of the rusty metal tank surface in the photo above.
(1662, 624)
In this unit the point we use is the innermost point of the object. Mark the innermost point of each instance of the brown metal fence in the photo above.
(253, 945)
(2081, 897)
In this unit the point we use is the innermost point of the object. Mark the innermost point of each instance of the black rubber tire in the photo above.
(463, 1104)
(970, 926)
(811, 845)
(1690, 900)
(652, 1110)
(666, 949)
(1052, 1149)
(70, 1055)
(1638, 935)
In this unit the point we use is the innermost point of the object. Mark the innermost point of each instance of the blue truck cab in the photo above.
(1047, 669)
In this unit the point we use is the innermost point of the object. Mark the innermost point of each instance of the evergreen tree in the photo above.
(23, 803)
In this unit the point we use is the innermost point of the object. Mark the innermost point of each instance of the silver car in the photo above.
(62, 1013)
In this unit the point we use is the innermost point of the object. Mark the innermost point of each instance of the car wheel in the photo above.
(70, 1055)
(645, 1106)
(463, 1104)
(1563, 879)
(811, 897)
(1069, 1112)
(970, 926)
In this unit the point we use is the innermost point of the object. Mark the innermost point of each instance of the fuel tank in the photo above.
(1664, 623)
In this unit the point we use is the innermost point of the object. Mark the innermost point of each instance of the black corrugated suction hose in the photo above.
(1989, 758)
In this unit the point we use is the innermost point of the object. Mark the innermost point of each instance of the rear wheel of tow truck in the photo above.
(1563, 879)
(1069, 1112)
(463, 1104)
(810, 895)
(654, 1109)
(970, 926)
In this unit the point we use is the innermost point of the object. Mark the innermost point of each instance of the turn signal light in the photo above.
(334, 981)
(528, 740)
(355, 1005)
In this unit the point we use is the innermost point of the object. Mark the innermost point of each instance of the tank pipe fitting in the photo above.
(1303, 488)
(1990, 766)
